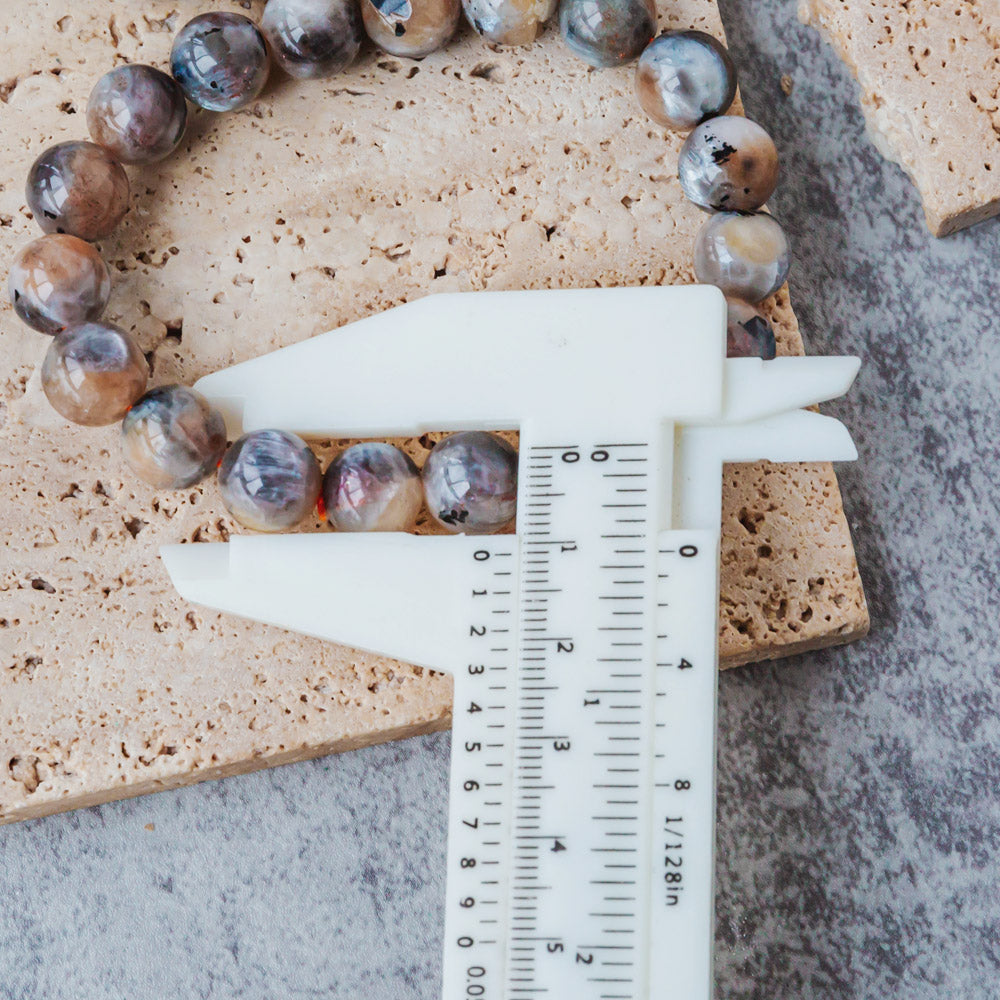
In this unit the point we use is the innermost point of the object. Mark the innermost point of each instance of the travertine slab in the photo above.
(929, 74)
(320, 204)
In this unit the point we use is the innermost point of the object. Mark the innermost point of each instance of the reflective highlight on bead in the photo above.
(607, 32)
(172, 438)
(747, 256)
(58, 281)
(411, 28)
(137, 113)
(77, 188)
(93, 373)
(748, 333)
(269, 480)
(372, 487)
(508, 22)
(220, 60)
(312, 38)
(470, 482)
(728, 164)
(684, 78)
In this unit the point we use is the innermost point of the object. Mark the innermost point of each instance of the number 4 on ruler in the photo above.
(583, 647)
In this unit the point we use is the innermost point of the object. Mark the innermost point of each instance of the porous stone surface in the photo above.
(929, 73)
(321, 203)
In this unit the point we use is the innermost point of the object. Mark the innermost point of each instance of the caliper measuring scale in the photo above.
(584, 647)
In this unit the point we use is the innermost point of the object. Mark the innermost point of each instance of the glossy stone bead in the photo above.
(58, 281)
(746, 256)
(220, 60)
(470, 482)
(372, 487)
(508, 22)
(684, 78)
(172, 438)
(270, 480)
(729, 164)
(748, 334)
(77, 188)
(607, 32)
(312, 38)
(411, 28)
(93, 373)
(137, 113)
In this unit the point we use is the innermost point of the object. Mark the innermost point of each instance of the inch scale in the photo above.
(583, 648)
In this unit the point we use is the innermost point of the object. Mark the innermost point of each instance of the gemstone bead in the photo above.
(470, 482)
(269, 480)
(172, 438)
(137, 113)
(508, 22)
(748, 334)
(58, 281)
(220, 60)
(745, 255)
(684, 78)
(93, 373)
(411, 28)
(372, 487)
(729, 164)
(78, 188)
(312, 38)
(607, 32)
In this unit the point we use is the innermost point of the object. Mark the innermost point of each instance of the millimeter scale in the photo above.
(583, 647)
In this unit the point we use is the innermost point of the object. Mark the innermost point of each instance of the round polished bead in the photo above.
(220, 60)
(745, 255)
(93, 373)
(728, 164)
(470, 482)
(748, 333)
(411, 28)
(372, 487)
(312, 38)
(508, 22)
(77, 188)
(270, 480)
(607, 32)
(684, 78)
(137, 113)
(172, 438)
(58, 281)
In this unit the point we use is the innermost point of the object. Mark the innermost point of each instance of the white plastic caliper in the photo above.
(580, 855)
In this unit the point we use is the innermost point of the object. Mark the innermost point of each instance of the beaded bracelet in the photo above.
(95, 374)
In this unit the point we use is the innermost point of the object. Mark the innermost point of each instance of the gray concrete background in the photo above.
(859, 796)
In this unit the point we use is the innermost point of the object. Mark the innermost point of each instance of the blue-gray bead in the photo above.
(748, 334)
(372, 487)
(172, 438)
(684, 78)
(269, 480)
(728, 164)
(747, 256)
(312, 38)
(607, 32)
(470, 482)
(220, 60)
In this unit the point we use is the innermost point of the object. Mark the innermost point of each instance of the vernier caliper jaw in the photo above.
(583, 648)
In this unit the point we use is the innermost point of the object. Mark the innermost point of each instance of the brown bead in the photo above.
(93, 373)
(78, 188)
(58, 281)
(173, 438)
(411, 28)
(137, 113)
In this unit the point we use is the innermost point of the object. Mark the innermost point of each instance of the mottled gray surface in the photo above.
(859, 788)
